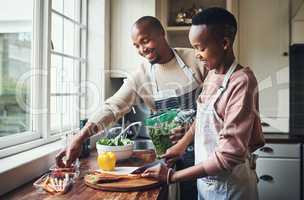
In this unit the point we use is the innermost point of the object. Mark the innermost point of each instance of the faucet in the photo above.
(123, 119)
(122, 124)
(123, 132)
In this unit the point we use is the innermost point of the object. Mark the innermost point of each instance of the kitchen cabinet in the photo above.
(279, 171)
(177, 33)
(124, 57)
(263, 45)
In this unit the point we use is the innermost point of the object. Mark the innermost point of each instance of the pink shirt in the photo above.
(238, 107)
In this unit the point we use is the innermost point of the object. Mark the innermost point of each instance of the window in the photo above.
(16, 38)
(42, 68)
(68, 62)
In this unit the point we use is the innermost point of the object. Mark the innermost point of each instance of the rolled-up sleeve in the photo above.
(239, 117)
(117, 105)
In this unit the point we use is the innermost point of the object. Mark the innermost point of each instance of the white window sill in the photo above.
(26, 166)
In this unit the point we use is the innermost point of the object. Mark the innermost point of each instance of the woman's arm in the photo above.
(188, 137)
(233, 146)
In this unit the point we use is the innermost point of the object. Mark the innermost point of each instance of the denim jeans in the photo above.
(239, 184)
(188, 189)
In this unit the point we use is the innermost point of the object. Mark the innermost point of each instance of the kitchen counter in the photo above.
(81, 191)
(282, 138)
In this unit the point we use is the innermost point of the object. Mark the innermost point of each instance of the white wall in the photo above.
(297, 24)
(16, 10)
(16, 16)
(98, 73)
(295, 4)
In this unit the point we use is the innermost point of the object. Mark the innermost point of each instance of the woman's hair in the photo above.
(219, 20)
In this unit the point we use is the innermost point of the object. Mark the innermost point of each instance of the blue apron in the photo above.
(183, 98)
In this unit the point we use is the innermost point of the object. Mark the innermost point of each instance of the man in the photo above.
(227, 127)
(170, 79)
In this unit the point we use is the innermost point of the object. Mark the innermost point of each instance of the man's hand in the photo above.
(71, 153)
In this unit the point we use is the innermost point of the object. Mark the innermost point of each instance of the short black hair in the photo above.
(152, 22)
(217, 17)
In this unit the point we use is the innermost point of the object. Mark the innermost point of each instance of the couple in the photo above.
(227, 128)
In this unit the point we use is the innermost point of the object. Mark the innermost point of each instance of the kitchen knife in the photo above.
(143, 168)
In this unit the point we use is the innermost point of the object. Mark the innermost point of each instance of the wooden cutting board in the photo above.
(124, 185)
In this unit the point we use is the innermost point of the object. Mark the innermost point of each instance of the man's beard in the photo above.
(156, 60)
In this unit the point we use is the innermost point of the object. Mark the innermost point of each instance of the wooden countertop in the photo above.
(82, 192)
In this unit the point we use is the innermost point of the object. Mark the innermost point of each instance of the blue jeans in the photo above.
(188, 189)
(239, 184)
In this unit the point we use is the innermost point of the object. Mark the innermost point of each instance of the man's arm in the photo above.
(118, 105)
(73, 151)
(115, 107)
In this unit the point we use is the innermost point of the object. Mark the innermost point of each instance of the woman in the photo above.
(227, 128)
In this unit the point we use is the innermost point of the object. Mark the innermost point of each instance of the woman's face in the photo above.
(210, 47)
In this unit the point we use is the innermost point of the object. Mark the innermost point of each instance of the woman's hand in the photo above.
(176, 134)
(159, 172)
(173, 154)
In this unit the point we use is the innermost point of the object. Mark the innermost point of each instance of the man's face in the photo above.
(210, 48)
(148, 42)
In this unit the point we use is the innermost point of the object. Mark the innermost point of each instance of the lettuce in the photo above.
(114, 142)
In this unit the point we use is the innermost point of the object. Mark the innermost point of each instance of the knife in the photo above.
(146, 166)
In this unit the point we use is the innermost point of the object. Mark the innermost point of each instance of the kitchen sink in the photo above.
(141, 144)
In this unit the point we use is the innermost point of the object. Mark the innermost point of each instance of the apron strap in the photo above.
(229, 73)
(224, 84)
(153, 79)
(187, 70)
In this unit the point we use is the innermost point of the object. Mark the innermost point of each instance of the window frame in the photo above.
(35, 133)
(80, 58)
(41, 82)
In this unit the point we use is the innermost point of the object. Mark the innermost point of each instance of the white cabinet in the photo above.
(124, 57)
(278, 170)
(279, 179)
(264, 46)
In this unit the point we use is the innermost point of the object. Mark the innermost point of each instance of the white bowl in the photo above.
(121, 152)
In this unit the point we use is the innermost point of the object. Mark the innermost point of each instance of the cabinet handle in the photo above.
(266, 149)
(285, 54)
(264, 124)
(266, 178)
